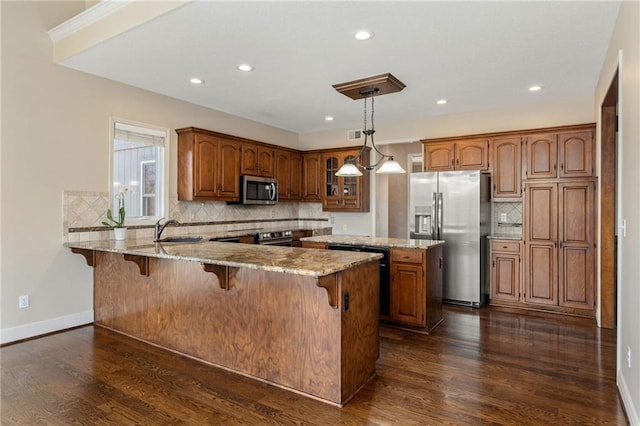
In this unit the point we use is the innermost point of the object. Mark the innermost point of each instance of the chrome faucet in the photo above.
(159, 228)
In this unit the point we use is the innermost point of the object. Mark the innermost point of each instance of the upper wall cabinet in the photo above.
(344, 193)
(288, 171)
(444, 155)
(311, 177)
(257, 160)
(507, 168)
(560, 155)
(208, 166)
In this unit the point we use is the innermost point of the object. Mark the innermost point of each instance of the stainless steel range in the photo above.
(275, 238)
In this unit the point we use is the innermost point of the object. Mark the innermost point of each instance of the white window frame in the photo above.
(162, 170)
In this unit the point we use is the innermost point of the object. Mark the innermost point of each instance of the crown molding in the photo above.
(86, 18)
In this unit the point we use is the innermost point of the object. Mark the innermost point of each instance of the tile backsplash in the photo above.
(84, 211)
(513, 223)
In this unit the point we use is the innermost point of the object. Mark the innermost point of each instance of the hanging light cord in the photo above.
(369, 132)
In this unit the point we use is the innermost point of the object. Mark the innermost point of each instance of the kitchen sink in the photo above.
(180, 240)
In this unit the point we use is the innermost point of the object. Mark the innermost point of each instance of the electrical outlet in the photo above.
(273, 214)
(23, 301)
(629, 356)
(503, 217)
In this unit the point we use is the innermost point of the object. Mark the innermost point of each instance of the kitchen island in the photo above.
(300, 319)
(410, 284)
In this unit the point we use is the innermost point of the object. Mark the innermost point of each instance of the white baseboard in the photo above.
(628, 402)
(33, 329)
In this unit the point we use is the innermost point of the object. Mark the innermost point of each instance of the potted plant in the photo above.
(117, 224)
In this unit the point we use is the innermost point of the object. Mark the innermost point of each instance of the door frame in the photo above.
(608, 204)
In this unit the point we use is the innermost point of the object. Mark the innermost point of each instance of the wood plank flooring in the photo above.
(479, 367)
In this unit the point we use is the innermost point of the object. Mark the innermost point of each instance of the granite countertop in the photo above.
(290, 260)
(498, 236)
(357, 240)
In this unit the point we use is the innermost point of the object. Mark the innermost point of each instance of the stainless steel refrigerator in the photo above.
(455, 207)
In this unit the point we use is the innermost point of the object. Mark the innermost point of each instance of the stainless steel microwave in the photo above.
(258, 190)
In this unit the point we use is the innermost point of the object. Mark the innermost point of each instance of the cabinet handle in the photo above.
(504, 247)
(494, 186)
(555, 167)
(452, 161)
(562, 166)
(555, 244)
(457, 161)
(493, 263)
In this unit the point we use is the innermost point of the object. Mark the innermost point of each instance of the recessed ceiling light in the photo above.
(196, 80)
(328, 118)
(245, 67)
(535, 88)
(441, 101)
(363, 35)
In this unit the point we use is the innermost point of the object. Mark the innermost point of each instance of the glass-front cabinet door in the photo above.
(344, 193)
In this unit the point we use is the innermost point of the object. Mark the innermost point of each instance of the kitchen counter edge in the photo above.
(358, 240)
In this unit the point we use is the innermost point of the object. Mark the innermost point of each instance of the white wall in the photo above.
(55, 137)
(625, 44)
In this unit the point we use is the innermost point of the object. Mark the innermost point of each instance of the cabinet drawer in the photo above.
(407, 255)
(506, 246)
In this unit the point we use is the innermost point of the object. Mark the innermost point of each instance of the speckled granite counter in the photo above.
(269, 258)
(356, 240)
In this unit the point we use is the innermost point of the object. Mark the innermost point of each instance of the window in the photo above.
(138, 171)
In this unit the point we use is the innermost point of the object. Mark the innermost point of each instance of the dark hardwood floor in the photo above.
(479, 367)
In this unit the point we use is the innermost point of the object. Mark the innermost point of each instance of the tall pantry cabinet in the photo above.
(559, 221)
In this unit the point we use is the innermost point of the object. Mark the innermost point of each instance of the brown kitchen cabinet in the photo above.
(208, 166)
(560, 155)
(505, 272)
(313, 245)
(507, 168)
(446, 154)
(416, 287)
(257, 160)
(559, 245)
(311, 177)
(344, 193)
(288, 170)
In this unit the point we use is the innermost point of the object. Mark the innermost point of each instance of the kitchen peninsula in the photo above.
(305, 320)
(410, 282)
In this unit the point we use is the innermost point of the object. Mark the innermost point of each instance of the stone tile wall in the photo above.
(513, 224)
(84, 211)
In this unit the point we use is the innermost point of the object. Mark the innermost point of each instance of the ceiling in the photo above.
(476, 55)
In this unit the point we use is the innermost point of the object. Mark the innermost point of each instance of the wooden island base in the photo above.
(273, 326)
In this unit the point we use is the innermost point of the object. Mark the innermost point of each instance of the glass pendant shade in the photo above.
(349, 169)
(390, 167)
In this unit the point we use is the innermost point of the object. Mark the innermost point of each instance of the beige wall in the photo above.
(55, 137)
(625, 43)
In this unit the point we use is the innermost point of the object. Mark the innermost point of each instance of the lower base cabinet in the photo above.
(505, 270)
(416, 287)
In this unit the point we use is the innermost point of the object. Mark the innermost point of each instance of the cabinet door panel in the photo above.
(540, 212)
(541, 156)
(249, 160)
(576, 202)
(505, 276)
(407, 300)
(205, 159)
(312, 177)
(472, 155)
(283, 174)
(576, 277)
(576, 154)
(541, 283)
(265, 162)
(229, 167)
(295, 177)
(438, 156)
(507, 168)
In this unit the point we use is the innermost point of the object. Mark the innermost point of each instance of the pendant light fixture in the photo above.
(368, 89)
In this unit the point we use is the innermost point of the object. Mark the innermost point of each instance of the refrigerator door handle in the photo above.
(434, 216)
(440, 215)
